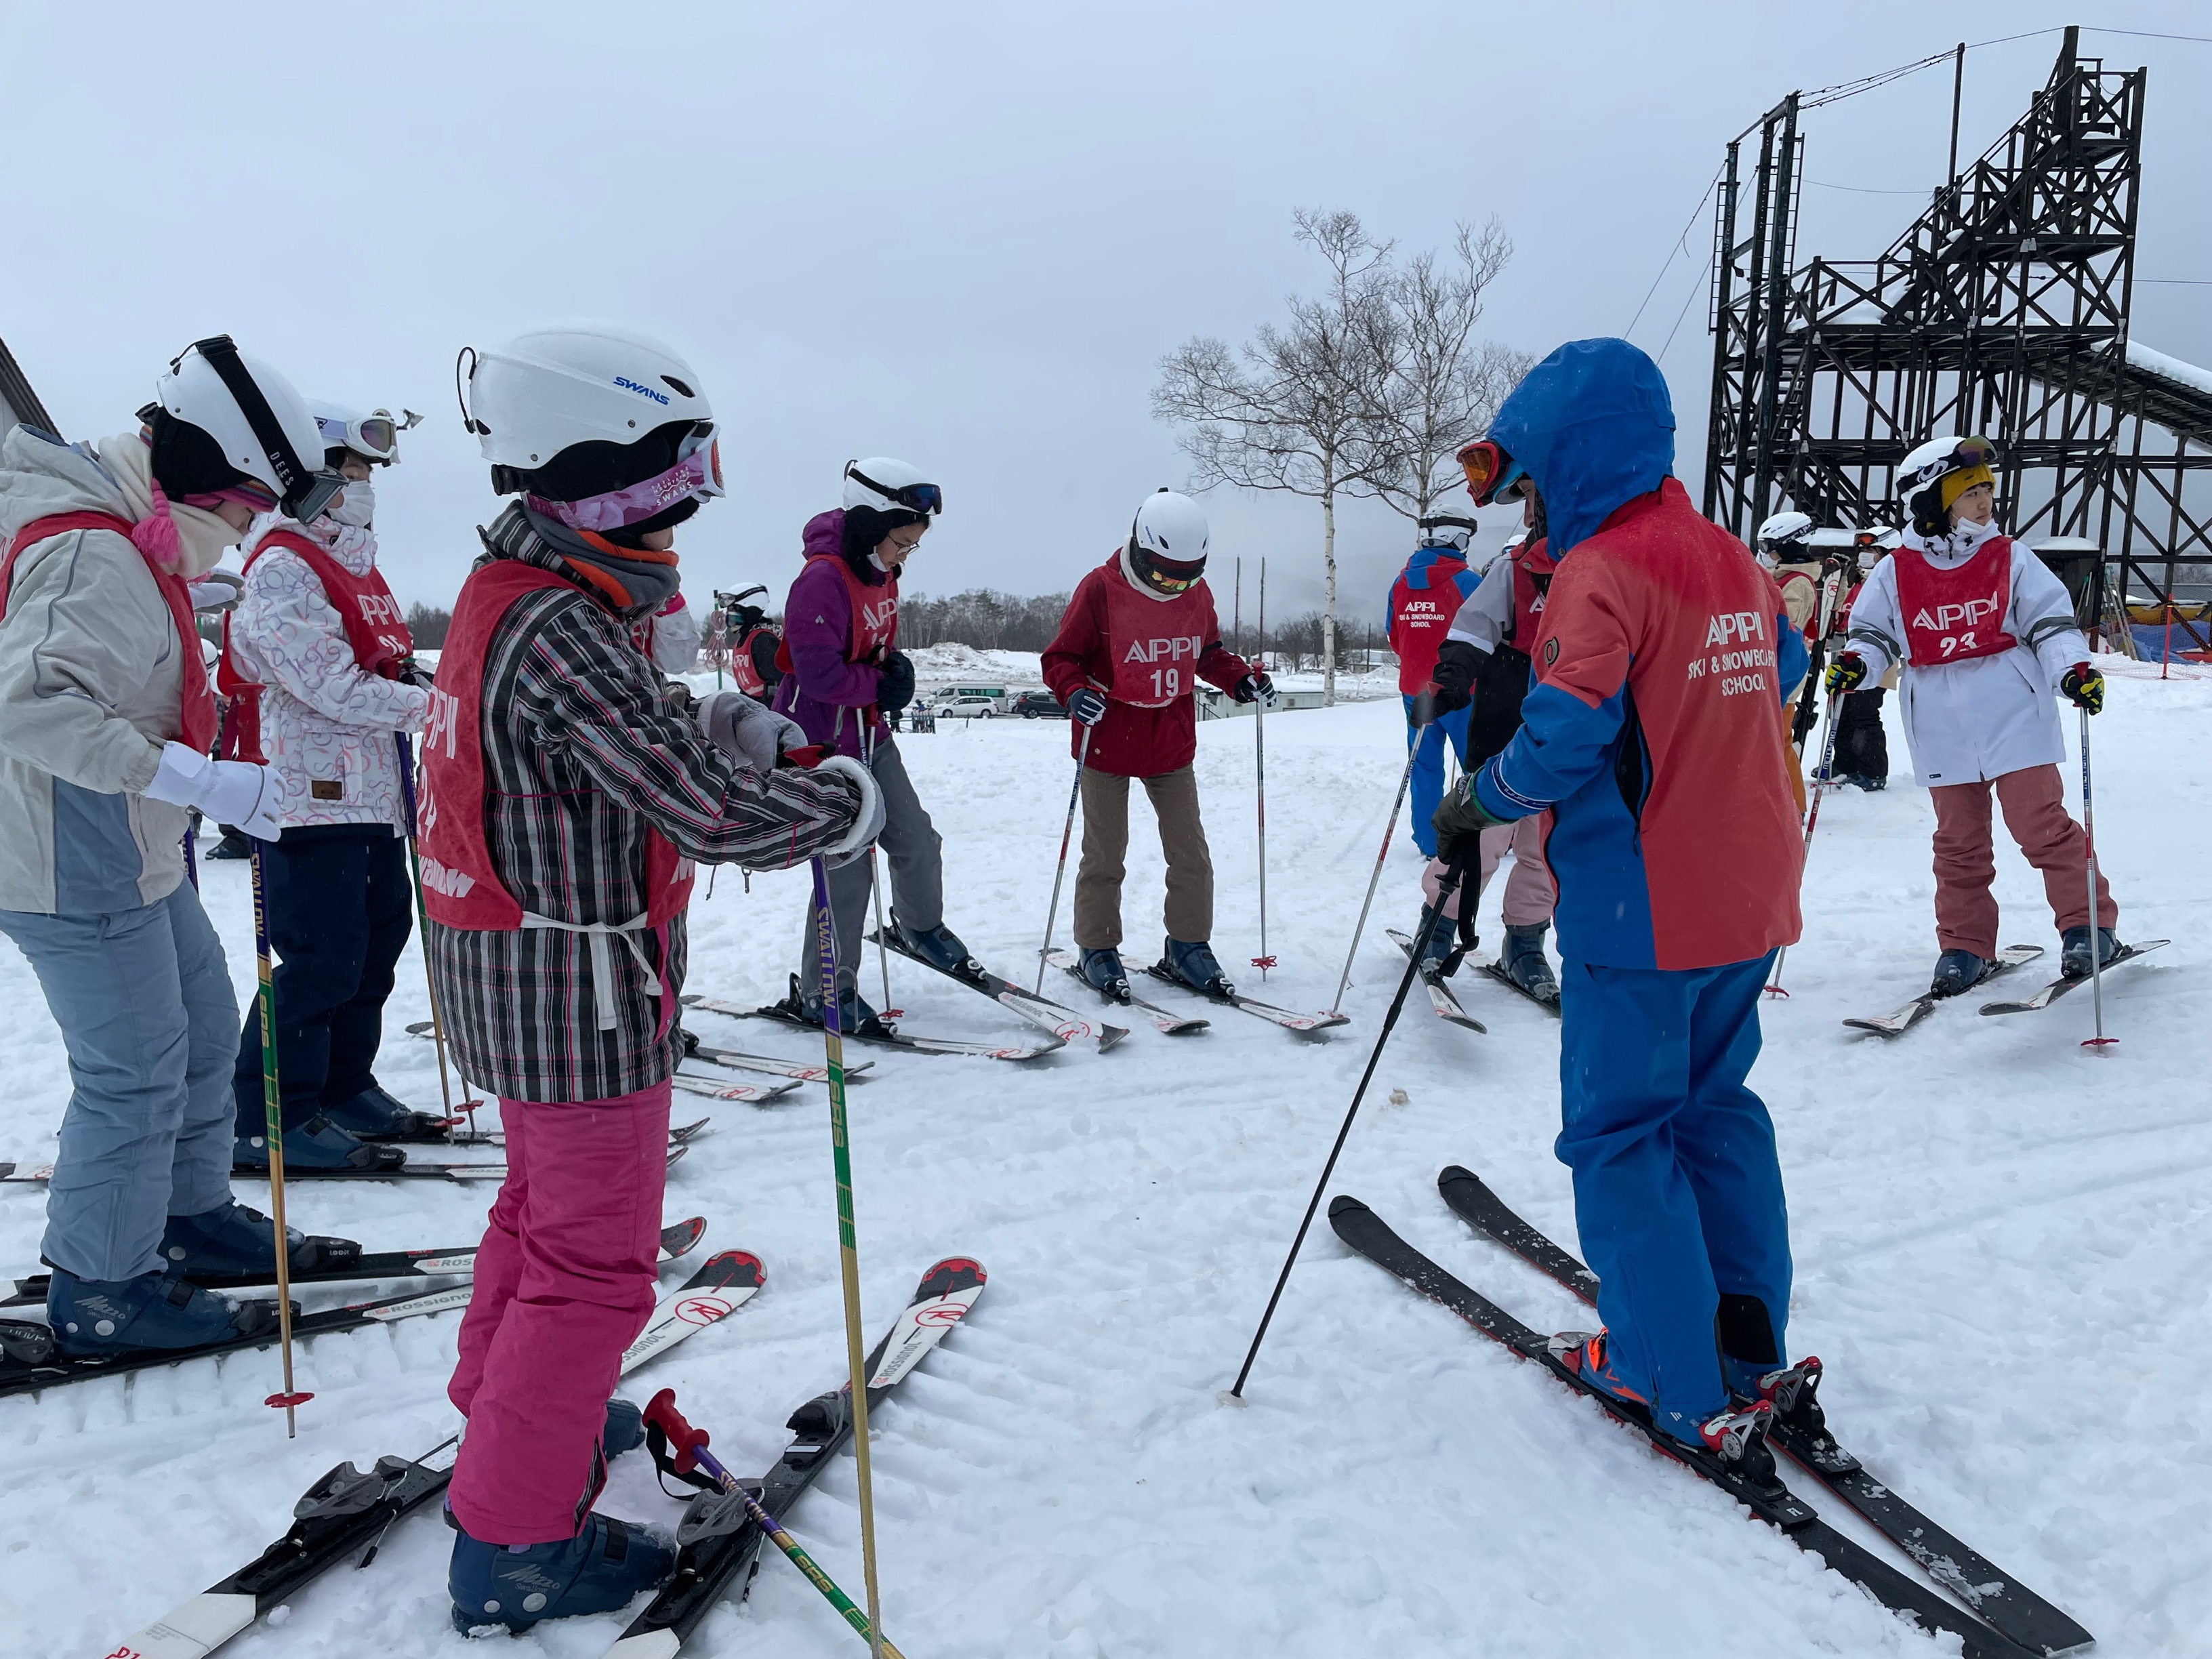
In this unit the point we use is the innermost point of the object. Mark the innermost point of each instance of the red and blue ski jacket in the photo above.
(1423, 601)
(1655, 732)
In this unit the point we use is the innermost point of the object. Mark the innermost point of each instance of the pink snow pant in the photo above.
(2034, 803)
(564, 1282)
(1529, 891)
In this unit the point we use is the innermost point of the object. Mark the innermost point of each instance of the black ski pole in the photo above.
(1445, 888)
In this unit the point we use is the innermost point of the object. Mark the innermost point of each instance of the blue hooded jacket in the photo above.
(1618, 444)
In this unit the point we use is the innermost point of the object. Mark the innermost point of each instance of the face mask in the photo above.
(358, 506)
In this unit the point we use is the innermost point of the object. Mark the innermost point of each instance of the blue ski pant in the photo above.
(1427, 745)
(1678, 1195)
(340, 909)
(143, 997)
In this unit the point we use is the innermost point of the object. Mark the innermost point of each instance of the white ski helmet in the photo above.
(263, 426)
(1921, 473)
(1446, 530)
(373, 435)
(1167, 542)
(884, 483)
(1785, 529)
(540, 392)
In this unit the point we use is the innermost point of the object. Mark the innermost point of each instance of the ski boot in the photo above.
(1522, 962)
(1867, 782)
(234, 1239)
(93, 1319)
(1958, 971)
(624, 1430)
(1192, 964)
(318, 1143)
(940, 947)
(1439, 954)
(855, 1017)
(234, 845)
(373, 1114)
(1104, 972)
(512, 1587)
(1583, 1354)
(2073, 950)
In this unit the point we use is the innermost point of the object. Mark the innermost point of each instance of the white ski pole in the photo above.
(1263, 961)
(2100, 1042)
(875, 879)
(1812, 819)
(1067, 832)
(1389, 826)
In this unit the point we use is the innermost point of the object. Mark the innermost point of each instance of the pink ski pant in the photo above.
(564, 1282)
(1530, 892)
(2034, 802)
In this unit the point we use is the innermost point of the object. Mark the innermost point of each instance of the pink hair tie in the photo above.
(155, 535)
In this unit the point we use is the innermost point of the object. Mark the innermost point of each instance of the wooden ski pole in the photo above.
(272, 1109)
(848, 1253)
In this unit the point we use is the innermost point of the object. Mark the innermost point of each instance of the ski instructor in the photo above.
(105, 721)
(567, 788)
(1655, 734)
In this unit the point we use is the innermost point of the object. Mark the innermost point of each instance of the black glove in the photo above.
(1255, 687)
(1847, 673)
(2084, 687)
(1087, 707)
(1460, 818)
(1454, 675)
(894, 687)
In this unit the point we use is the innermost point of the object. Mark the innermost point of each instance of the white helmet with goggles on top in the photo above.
(1937, 473)
(600, 428)
(373, 434)
(1166, 551)
(242, 408)
(883, 484)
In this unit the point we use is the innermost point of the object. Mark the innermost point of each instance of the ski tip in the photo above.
(415, 1028)
(1344, 1204)
(1108, 1036)
(727, 1269)
(678, 1239)
(675, 1155)
(690, 999)
(1453, 1175)
(955, 1272)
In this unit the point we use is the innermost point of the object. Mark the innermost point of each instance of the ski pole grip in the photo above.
(684, 1441)
(811, 755)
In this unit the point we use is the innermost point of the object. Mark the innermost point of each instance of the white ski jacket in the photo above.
(327, 726)
(1980, 719)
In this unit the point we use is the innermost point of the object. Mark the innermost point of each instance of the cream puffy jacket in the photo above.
(90, 669)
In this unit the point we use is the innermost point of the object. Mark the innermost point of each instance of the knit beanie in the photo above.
(1955, 485)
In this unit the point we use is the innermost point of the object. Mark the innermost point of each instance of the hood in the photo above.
(1594, 427)
(1424, 558)
(40, 475)
(824, 535)
(201, 536)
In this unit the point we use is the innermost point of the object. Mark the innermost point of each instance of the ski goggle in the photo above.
(698, 473)
(375, 435)
(305, 492)
(1492, 476)
(922, 498)
(1966, 453)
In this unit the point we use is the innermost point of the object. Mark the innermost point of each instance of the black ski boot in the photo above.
(855, 1017)
(1192, 963)
(1439, 954)
(2073, 950)
(1522, 962)
(1958, 971)
(1102, 971)
(940, 947)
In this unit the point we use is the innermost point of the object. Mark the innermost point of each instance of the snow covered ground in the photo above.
(2004, 1248)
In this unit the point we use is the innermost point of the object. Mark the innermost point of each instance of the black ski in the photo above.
(1297, 1024)
(1898, 1021)
(677, 1240)
(784, 1012)
(1365, 1232)
(718, 1546)
(2058, 987)
(1496, 969)
(348, 1510)
(1042, 1012)
(2018, 1612)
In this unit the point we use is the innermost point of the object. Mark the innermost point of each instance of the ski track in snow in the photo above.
(2002, 1244)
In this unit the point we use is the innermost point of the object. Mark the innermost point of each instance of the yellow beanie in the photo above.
(1956, 484)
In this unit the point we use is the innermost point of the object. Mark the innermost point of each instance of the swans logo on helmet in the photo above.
(628, 384)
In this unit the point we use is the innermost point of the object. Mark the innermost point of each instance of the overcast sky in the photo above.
(963, 235)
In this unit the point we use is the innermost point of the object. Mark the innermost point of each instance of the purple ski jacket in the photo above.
(823, 692)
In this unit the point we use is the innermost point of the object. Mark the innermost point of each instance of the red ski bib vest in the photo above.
(1420, 617)
(1533, 565)
(744, 672)
(461, 887)
(373, 626)
(1154, 644)
(1955, 615)
(195, 701)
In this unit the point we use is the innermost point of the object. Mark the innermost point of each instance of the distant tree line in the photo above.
(983, 618)
(427, 624)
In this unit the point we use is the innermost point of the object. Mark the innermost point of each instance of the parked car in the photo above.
(967, 708)
(1039, 705)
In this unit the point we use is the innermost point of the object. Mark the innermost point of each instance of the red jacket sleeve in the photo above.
(1076, 657)
(1221, 666)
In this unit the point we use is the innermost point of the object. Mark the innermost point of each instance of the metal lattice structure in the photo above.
(2003, 310)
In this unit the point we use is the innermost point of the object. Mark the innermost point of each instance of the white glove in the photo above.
(747, 731)
(870, 822)
(218, 590)
(676, 640)
(236, 792)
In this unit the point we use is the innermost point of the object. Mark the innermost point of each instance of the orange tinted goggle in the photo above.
(1492, 475)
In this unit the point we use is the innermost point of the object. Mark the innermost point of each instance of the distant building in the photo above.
(18, 403)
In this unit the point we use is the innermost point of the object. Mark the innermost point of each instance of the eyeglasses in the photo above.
(923, 498)
(1492, 476)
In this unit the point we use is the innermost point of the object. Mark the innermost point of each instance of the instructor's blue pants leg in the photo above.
(143, 1000)
(1427, 745)
(1678, 1195)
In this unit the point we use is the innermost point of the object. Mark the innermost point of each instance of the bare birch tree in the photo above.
(1443, 386)
(1296, 408)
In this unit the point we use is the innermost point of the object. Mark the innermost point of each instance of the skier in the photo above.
(1785, 550)
(1655, 734)
(566, 788)
(106, 725)
(1138, 633)
(318, 670)
(1984, 632)
(1485, 658)
(1861, 756)
(1429, 591)
(844, 674)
